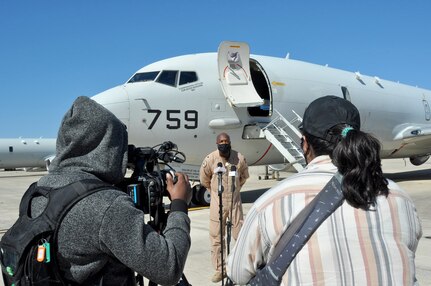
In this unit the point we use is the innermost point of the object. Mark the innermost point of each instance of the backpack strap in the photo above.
(63, 199)
(26, 199)
(69, 195)
(299, 232)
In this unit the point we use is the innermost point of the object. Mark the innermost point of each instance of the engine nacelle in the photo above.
(419, 160)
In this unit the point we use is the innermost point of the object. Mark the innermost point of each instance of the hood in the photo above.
(91, 142)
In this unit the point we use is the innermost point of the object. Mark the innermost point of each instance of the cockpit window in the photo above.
(168, 78)
(188, 77)
(144, 76)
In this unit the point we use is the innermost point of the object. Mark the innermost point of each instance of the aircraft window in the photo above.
(188, 77)
(168, 78)
(10, 149)
(144, 76)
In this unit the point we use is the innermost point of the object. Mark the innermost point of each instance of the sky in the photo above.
(52, 51)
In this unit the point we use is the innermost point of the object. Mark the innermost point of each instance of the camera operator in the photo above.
(104, 239)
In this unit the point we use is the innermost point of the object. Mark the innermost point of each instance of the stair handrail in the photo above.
(280, 118)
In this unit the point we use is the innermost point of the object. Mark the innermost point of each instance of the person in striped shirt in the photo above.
(370, 239)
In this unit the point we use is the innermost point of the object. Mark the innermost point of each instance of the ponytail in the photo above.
(357, 157)
(356, 154)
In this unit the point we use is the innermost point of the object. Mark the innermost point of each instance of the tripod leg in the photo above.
(184, 281)
(229, 282)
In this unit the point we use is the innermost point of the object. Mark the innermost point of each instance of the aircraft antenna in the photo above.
(378, 81)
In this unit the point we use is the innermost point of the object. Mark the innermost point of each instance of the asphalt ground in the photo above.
(416, 180)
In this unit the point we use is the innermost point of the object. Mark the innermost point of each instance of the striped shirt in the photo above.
(351, 247)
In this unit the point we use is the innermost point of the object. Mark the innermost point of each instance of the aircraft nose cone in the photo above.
(115, 100)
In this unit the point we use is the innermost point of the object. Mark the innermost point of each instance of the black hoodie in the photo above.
(105, 234)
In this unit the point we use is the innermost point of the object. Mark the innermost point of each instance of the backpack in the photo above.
(28, 249)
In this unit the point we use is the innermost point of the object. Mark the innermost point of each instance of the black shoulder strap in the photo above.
(26, 199)
(68, 196)
(299, 232)
(63, 199)
(60, 198)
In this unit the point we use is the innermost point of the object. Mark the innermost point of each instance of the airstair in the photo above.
(286, 137)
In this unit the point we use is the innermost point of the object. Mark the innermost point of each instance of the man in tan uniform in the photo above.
(209, 179)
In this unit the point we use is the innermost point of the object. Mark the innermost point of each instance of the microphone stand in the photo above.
(220, 193)
(229, 224)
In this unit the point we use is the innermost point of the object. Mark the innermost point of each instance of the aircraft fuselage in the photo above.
(193, 113)
(26, 152)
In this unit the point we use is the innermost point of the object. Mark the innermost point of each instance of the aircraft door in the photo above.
(263, 88)
(235, 76)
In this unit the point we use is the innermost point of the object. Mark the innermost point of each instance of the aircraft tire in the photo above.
(195, 199)
(204, 196)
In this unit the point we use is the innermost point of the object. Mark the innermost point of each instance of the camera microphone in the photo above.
(168, 145)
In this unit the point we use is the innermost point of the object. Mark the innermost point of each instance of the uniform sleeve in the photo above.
(248, 253)
(244, 173)
(125, 235)
(205, 173)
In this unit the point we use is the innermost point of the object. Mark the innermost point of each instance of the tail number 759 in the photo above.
(176, 119)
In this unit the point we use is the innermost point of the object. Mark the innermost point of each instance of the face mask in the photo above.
(223, 148)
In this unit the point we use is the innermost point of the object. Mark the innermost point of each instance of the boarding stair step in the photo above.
(283, 134)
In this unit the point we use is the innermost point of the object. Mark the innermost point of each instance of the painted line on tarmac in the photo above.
(198, 208)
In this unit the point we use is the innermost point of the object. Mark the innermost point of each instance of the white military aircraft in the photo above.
(26, 152)
(258, 101)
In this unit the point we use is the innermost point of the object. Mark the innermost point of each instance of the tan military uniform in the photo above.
(210, 180)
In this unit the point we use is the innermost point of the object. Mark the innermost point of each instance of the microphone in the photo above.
(232, 174)
(220, 169)
(168, 145)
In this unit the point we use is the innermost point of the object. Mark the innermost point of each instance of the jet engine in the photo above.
(419, 160)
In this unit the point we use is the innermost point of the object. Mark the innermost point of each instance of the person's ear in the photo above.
(304, 145)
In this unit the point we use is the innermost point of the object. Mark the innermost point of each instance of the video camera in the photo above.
(147, 184)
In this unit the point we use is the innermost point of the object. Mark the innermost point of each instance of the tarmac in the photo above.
(416, 180)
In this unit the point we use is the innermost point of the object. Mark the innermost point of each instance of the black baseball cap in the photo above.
(325, 112)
